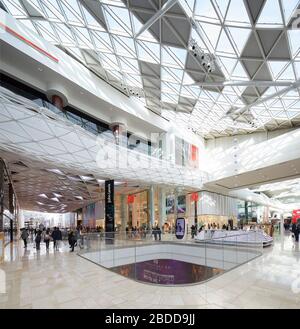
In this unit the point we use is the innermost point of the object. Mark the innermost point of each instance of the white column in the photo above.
(124, 212)
(162, 207)
(151, 206)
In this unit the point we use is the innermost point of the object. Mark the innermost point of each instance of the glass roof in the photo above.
(250, 42)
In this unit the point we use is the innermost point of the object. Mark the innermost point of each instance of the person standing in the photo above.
(24, 236)
(158, 230)
(154, 232)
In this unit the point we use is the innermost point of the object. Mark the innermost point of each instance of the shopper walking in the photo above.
(59, 238)
(47, 238)
(72, 240)
(296, 231)
(193, 231)
(38, 239)
(24, 236)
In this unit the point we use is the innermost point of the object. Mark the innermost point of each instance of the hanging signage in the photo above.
(195, 196)
(295, 216)
(130, 199)
(180, 228)
(109, 206)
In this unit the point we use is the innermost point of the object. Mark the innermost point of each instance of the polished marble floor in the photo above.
(64, 280)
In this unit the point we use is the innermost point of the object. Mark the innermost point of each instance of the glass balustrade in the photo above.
(147, 257)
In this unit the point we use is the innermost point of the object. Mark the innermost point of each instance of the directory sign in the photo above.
(109, 210)
(180, 228)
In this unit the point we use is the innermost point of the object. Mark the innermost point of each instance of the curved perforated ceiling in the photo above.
(256, 42)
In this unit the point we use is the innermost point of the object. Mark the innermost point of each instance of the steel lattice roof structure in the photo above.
(142, 47)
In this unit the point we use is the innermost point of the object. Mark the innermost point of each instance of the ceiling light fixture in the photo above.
(207, 61)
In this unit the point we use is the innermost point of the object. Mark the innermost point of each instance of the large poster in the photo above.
(181, 207)
(170, 204)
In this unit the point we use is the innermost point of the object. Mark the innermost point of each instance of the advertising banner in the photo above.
(109, 207)
(180, 228)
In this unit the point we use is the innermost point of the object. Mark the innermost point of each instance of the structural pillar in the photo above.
(57, 95)
(124, 213)
(162, 207)
(58, 102)
(11, 210)
(151, 206)
(120, 133)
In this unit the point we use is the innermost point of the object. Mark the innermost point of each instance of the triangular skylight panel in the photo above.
(169, 56)
(33, 8)
(15, 8)
(270, 14)
(289, 7)
(129, 65)
(124, 46)
(72, 12)
(276, 67)
(229, 63)
(134, 80)
(205, 8)
(288, 74)
(239, 36)
(212, 31)
(52, 9)
(136, 24)
(237, 12)
(239, 72)
(294, 38)
(187, 79)
(292, 115)
(224, 45)
(110, 62)
(46, 30)
(83, 37)
(297, 69)
(64, 33)
(116, 25)
(222, 6)
(102, 40)
(149, 51)
(91, 20)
